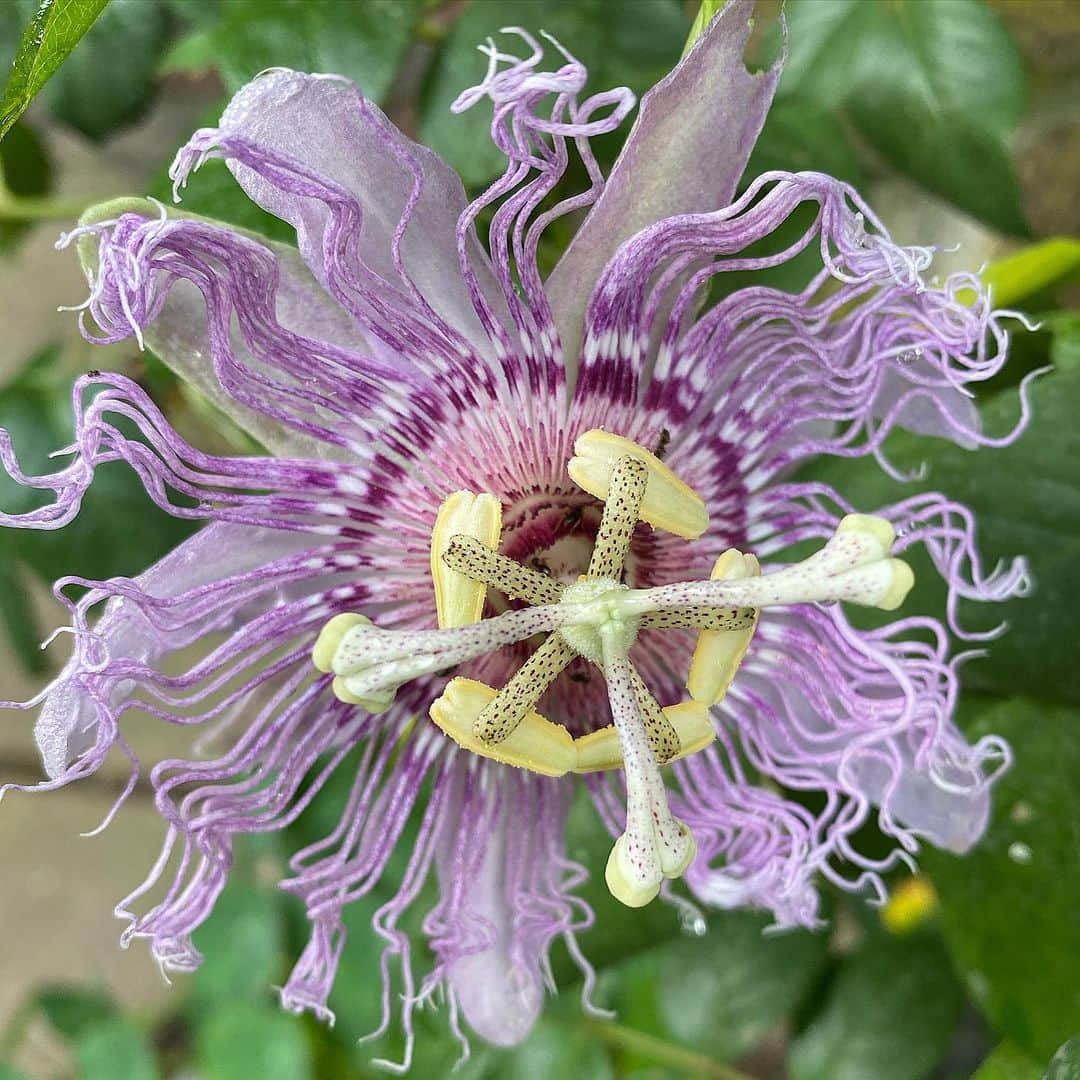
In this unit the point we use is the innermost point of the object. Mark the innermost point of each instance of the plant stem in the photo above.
(686, 1062)
(18, 208)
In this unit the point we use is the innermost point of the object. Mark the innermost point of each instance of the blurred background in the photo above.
(960, 122)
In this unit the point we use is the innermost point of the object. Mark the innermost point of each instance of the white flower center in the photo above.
(595, 614)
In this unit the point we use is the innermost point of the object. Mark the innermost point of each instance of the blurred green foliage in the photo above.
(25, 171)
(934, 86)
(1009, 909)
(126, 42)
(891, 1014)
(932, 90)
(240, 38)
(1008, 1063)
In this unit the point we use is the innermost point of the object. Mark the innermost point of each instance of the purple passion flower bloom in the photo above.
(526, 527)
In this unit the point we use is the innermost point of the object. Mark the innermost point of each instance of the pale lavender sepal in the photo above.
(948, 416)
(345, 140)
(499, 996)
(67, 724)
(685, 154)
(947, 801)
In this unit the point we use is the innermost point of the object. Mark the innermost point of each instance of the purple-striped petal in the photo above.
(175, 282)
(865, 347)
(865, 717)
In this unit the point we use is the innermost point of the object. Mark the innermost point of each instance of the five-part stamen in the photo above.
(598, 618)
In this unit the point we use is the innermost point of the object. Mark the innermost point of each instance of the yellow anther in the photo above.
(459, 600)
(692, 724)
(878, 536)
(600, 750)
(902, 579)
(372, 704)
(869, 525)
(719, 652)
(326, 645)
(535, 744)
(668, 503)
(624, 879)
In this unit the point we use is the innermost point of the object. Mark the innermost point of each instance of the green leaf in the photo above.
(1065, 346)
(115, 1050)
(708, 10)
(213, 192)
(801, 136)
(25, 172)
(1032, 269)
(125, 42)
(1065, 1064)
(936, 86)
(1026, 499)
(364, 41)
(9, 1072)
(17, 615)
(1008, 1062)
(73, 1010)
(239, 1040)
(964, 163)
(890, 1015)
(195, 11)
(558, 1049)
(193, 55)
(1009, 908)
(950, 55)
(723, 992)
(242, 944)
(55, 29)
(635, 43)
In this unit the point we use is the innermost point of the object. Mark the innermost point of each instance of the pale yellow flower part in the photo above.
(720, 652)
(459, 600)
(668, 504)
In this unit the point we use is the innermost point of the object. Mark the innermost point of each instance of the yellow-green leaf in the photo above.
(705, 14)
(56, 28)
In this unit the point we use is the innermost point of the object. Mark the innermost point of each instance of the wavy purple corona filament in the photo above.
(390, 359)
